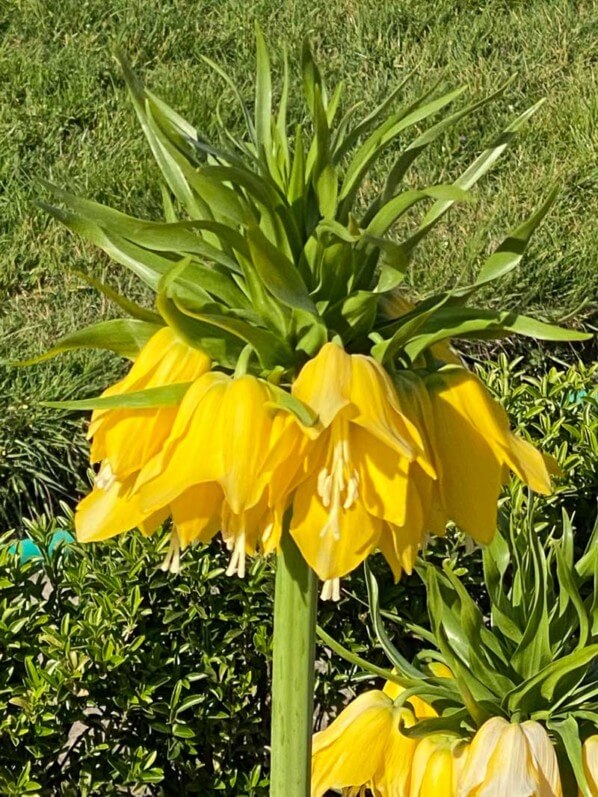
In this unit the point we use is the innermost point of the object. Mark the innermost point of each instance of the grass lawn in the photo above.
(64, 115)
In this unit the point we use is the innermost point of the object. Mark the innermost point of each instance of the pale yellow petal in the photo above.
(393, 778)
(483, 746)
(544, 755)
(590, 762)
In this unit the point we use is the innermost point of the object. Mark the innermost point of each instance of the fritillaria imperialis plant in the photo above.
(284, 391)
(506, 709)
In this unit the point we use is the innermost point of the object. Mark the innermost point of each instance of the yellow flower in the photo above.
(352, 489)
(127, 438)
(510, 759)
(437, 764)
(472, 448)
(124, 440)
(220, 442)
(590, 763)
(364, 748)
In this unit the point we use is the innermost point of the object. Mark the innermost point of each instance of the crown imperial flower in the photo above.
(509, 758)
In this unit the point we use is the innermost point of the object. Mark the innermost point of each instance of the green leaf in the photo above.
(508, 255)
(393, 655)
(271, 349)
(293, 405)
(278, 274)
(400, 204)
(430, 135)
(263, 97)
(124, 336)
(375, 144)
(554, 682)
(482, 164)
(132, 308)
(344, 144)
(568, 731)
(469, 322)
(166, 396)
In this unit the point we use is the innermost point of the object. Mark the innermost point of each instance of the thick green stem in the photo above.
(293, 673)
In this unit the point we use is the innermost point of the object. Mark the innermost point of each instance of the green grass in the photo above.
(64, 115)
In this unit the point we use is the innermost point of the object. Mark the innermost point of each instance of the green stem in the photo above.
(293, 673)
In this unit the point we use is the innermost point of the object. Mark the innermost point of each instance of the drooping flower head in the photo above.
(364, 748)
(510, 758)
(124, 440)
(351, 492)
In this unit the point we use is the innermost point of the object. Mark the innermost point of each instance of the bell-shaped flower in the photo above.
(473, 451)
(352, 487)
(590, 763)
(219, 442)
(510, 759)
(364, 749)
(437, 764)
(128, 437)
(125, 439)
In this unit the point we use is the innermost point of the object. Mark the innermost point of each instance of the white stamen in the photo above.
(237, 559)
(172, 560)
(105, 478)
(331, 590)
(338, 483)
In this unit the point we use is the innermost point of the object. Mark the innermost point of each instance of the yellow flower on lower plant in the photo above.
(220, 442)
(590, 764)
(364, 749)
(125, 439)
(510, 759)
(437, 765)
(351, 493)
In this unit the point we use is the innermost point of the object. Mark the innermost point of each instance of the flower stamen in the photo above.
(105, 478)
(338, 482)
(331, 590)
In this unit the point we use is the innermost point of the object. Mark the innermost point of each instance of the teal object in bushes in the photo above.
(28, 549)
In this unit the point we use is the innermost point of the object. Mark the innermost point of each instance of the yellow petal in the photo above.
(373, 396)
(383, 476)
(544, 756)
(471, 474)
(590, 763)
(324, 382)
(350, 751)
(246, 431)
(333, 543)
(470, 398)
(432, 771)
(193, 453)
(129, 437)
(104, 513)
(196, 513)
(393, 778)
